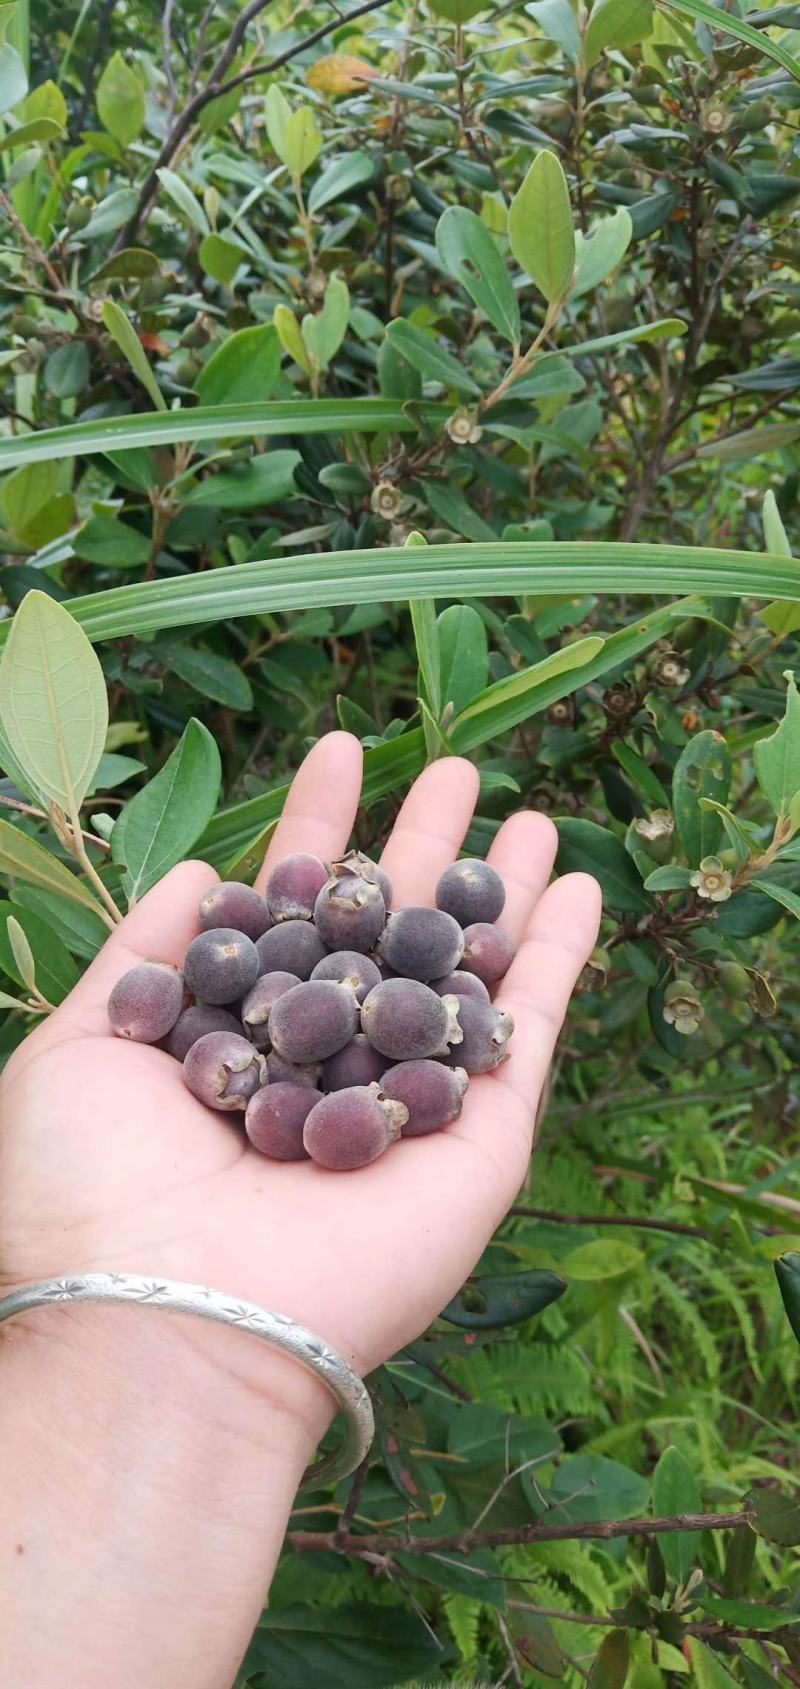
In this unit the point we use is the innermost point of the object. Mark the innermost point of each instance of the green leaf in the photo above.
(33, 955)
(450, 507)
(339, 178)
(777, 758)
(775, 536)
(500, 1299)
(66, 371)
(46, 103)
(753, 442)
(209, 675)
(755, 1614)
(604, 1259)
(302, 141)
(323, 334)
(708, 1670)
(287, 329)
(540, 228)
(676, 1490)
(26, 493)
(779, 894)
(181, 195)
(599, 252)
(123, 332)
(557, 20)
(107, 540)
(42, 129)
(119, 98)
(53, 701)
(277, 111)
(243, 369)
(23, 858)
(609, 1668)
(428, 357)
(586, 848)
(470, 255)
(426, 639)
(464, 655)
(725, 22)
(588, 1488)
(672, 877)
(13, 79)
(80, 931)
(617, 24)
(347, 1647)
(221, 258)
(530, 679)
(703, 770)
(787, 1272)
(640, 773)
(481, 1433)
(163, 821)
(266, 479)
(776, 1516)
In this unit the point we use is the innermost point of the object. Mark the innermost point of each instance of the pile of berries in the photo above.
(335, 1026)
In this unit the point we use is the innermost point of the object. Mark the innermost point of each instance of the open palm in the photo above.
(108, 1163)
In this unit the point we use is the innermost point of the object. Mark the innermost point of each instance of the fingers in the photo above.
(159, 929)
(537, 988)
(429, 829)
(523, 854)
(322, 805)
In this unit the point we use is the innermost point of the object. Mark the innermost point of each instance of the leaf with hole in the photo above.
(470, 255)
(703, 770)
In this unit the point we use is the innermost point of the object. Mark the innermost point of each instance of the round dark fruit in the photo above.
(404, 1019)
(231, 904)
(275, 1118)
(355, 862)
(349, 967)
(194, 1023)
(357, 1064)
(146, 1002)
(431, 1092)
(293, 887)
(223, 1070)
(292, 947)
(313, 1020)
(258, 1002)
(486, 1031)
(421, 943)
(350, 913)
(460, 984)
(471, 891)
(350, 1128)
(488, 952)
(281, 1072)
(221, 965)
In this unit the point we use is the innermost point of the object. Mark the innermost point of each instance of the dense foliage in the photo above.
(515, 285)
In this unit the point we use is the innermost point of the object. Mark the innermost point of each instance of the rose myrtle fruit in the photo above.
(280, 1072)
(194, 1023)
(313, 1020)
(293, 886)
(223, 1070)
(404, 1019)
(350, 1128)
(231, 904)
(349, 967)
(221, 965)
(488, 952)
(275, 1117)
(354, 862)
(471, 891)
(350, 912)
(486, 1031)
(357, 1064)
(431, 1092)
(258, 1002)
(421, 943)
(292, 947)
(146, 1002)
(460, 984)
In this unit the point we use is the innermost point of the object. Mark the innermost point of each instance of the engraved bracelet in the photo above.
(303, 1345)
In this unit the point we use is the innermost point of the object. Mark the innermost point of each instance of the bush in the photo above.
(360, 372)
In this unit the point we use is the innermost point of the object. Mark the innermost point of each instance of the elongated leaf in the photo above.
(610, 1666)
(469, 253)
(601, 251)
(753, 442)
(517, 685)
(354, 170)
(243, 369)
(708, 1671)
(676, 1490)
(124, 333)
(464, 655)
(426, 355)
(500, 1299)
(617, 23)
(181, 195)
(727, 24)
(590, 849)
(23, 858)
(777, 759)
(53, 701)
(41, 129)
(81, 932)
(161, 824)
(787, 1272)
(25, 937)
(775, 535)
(426, 639)
(220, 258)
(703, 770)
(120, 101)
(540, 228)
(21, 952)
(779, 894)
(266, 479)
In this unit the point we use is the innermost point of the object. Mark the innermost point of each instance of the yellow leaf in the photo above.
(339, 73)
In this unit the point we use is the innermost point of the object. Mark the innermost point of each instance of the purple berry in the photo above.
(350, 1128)
(293, 886)
(350, 913)
(313, 1020)
(223, 1070)
(146, 1002)
(194, 1023)
(280, 1072)
(488, 952)
(349, 967)
(404, 1019)
(275, 1118)
(258, 1002)
(292, 947)
(486, 1031)
(357, 1064)
(471, 891)
(460, 984)
(431, 1092)
(354, 862)
(221, 965)
(232, 904)
(421, 943)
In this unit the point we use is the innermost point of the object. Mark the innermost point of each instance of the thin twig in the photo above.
(465, 1542)
(610, 1220)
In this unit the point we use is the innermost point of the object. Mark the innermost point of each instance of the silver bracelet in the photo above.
(303, 1345)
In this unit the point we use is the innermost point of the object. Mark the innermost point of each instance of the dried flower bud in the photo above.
(713, 881)
(656, 833)
(619, 702)
(562, 713)
(715, 117)
(463, 428)
(397, 188)
(682, 1007)
(386, 500)
(594, 975)
(670, 669)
